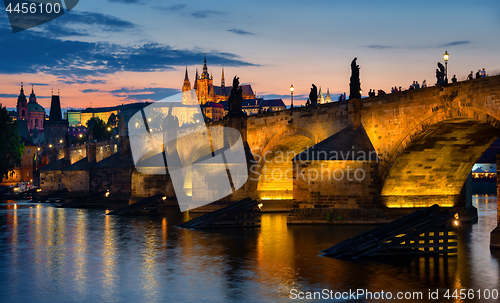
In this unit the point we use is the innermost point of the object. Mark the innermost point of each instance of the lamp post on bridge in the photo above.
(291, 95)
(446, 56)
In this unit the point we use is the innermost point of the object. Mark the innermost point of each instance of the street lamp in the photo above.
(446, 56)
(61, 141)
(109, 129)
(291, 94)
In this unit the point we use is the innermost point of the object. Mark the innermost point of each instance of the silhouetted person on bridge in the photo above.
(483, 73)
(454, 79)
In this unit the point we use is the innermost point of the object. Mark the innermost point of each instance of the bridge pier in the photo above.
(495, 234)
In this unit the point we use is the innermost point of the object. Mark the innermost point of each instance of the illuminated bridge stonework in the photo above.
(426, 140)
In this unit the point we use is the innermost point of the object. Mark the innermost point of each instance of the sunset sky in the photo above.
(104, 53)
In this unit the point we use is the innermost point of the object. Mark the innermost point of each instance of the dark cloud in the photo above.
(84, 24)
(197, 14)
(39, 84)
(380, 46)
(144, 94)
(240, 32)
(8, 96)
(206, 13)
(76, 60)
(455, 43)
(83, 81)
(126, 1)
(173, 8)
(86, 91)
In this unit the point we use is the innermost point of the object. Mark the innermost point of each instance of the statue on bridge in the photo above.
(440, 74)
(236, 99)
(355, 85)
(313, 95)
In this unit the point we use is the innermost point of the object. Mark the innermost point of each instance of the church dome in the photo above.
(35, 107)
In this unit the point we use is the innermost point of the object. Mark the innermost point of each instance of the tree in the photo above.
(11, 149)
(98, 129)
(113, 121)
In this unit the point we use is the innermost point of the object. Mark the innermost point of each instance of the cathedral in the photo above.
(206, 91)
(31, 111)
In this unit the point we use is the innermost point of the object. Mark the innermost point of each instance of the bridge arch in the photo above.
(272, 176)
(434, 158)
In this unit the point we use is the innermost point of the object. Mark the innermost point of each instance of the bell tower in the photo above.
(22, 105)
(222, 81)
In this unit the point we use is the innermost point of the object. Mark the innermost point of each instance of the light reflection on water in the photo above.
(60, 255)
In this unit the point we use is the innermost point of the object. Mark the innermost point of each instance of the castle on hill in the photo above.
(206, 91)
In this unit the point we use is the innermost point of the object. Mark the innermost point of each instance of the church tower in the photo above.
(32, 96)
(187, 85)
(195, 86)
(328, 99)
(187, 97)
(222, 82)
(321, 98)
(55, 128)
(205, 83)
(22, 105)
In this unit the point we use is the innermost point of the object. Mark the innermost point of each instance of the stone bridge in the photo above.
(423, 144)
(419, 147)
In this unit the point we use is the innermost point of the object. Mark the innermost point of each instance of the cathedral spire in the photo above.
(321, 98)
(222, 82)
(21, 99)
(186, 78)
(195, 85)
(205, 75)
(187, 85)
(32, 95)
(328, 99)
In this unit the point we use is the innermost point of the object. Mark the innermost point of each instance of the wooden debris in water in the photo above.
(149, 206)
(243, 213)
(423, 232)
(57, 195)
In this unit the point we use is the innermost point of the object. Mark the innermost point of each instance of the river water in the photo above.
(51, 254)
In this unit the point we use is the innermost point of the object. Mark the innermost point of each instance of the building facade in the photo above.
(23, 171)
